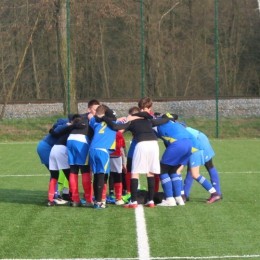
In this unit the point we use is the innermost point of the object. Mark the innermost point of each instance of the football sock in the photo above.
(134, 186)
(187, 184)
(118, 190)
(111, 181)
(166, 185)
(52, 188)
(61, 181)
(205, 184)
(98, 186)
(214, 177)
(87, 186)
(176, 183)
(157, 182)
(128, 182)
(73, 181)
(150, 184)
(104, 192)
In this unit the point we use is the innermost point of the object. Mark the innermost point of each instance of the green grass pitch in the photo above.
(227, 229)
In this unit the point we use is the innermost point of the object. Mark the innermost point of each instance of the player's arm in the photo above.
(161, 121)
(143, 114)
(113, 125)
(62, 132)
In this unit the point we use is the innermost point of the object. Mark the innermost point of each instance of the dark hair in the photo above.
(75, 116)
(93, 102)
(145, 102)
(133, 110)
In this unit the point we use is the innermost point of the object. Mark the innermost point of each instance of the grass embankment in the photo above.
(34, 129)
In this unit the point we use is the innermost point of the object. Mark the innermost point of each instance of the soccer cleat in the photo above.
(60, 201)
(50, 203)
(213, 198)
(168, 203)
(99, 205)
(185, 199)
(66, 197)
(131, 205)
(110, 200)
(179, 201)
(126, 198)
(149, 204)
(119, 202)
(86, 204)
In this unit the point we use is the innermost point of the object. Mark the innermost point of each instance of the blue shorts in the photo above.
(207, 148)
(177, 153)
(77, 152)
(99, 160)
(196, 159)
(44, 150)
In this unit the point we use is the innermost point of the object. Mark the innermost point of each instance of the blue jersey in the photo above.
(171, 132)
(131, 148)
(104, 137)
(203, 139)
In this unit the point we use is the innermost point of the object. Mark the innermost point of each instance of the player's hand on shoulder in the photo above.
(122, 119)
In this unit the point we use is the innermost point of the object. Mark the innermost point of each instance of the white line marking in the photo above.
(152, 258)
(142, 238)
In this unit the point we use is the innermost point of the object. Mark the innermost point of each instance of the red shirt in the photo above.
(120, 142)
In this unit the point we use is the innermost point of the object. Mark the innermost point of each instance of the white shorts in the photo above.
(59, 158)
(116, 164)
(146, 158)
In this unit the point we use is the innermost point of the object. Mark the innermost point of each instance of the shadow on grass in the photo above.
(16, 196)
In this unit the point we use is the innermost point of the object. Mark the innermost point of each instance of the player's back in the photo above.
(172, 131)
(104, 137)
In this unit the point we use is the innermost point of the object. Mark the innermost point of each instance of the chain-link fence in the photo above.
(123, 49)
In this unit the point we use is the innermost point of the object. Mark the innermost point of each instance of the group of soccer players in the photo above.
(93, 143)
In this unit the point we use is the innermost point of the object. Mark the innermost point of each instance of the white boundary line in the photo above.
(142, 237)
(152, 258)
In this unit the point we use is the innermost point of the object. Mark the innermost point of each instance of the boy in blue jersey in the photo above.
(44, 149)
(78, 147)
(103, 143)
(208, 154)
(182, 148)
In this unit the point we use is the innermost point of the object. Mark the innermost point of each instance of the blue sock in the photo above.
(166, 185)
(176, 183)
(205, 183)
(187, 184)
(214, 177)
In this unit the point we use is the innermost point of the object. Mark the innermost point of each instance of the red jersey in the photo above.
(120, 142)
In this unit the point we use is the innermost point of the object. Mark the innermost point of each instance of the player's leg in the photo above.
(98, 189)
(176, 178)
(111, 184)
(151, 188)
(134, 187)
(214, 176)
(52, 187)
(74, 185)
(205, 184)
(87, 183)
(104, 191)
(187, 184)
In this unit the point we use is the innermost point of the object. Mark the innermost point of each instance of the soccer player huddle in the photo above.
(93, 144)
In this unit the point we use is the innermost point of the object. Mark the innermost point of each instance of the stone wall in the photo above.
(185, 109)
